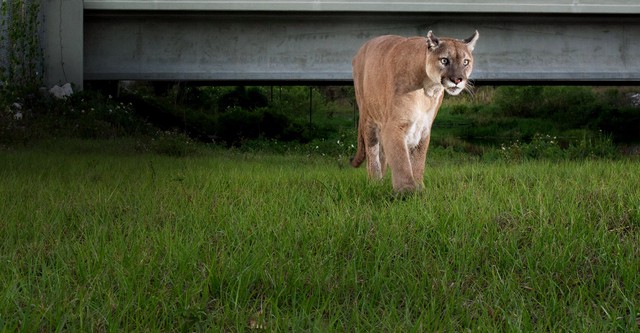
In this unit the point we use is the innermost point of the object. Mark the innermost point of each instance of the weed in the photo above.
(550, 148)
(167, 143)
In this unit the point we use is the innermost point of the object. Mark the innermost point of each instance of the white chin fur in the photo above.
(454, 90)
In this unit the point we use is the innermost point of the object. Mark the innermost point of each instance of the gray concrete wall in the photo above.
(314, 40)
(311, 46)
(413, 6)
(62, 40)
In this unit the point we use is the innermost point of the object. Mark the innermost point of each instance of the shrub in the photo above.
(241, 97)
(593, 146)
(273, 124)
(544, 146)
(171, 143)
(83, 115)
(565, 108)
(518, 101)
(237, 125)
(622, 123)
(20, 50)
(465, 109)
(457, 145)
(541, 146)
(570, 107)
(239, 114)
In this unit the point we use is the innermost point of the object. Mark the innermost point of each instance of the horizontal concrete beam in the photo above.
(278, 46)
(431, 6)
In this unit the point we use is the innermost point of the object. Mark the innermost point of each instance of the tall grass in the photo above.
(96, 237)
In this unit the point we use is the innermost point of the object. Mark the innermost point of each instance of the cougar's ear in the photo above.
(471, 41)
(432, 40)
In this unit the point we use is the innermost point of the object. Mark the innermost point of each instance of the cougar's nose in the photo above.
(456, 80)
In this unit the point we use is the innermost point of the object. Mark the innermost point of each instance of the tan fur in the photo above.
(399, 85)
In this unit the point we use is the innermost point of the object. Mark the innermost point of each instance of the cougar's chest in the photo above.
(419, 126)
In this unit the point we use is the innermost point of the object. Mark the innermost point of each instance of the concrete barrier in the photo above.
(574, 41)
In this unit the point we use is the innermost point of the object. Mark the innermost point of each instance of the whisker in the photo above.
(469, 88)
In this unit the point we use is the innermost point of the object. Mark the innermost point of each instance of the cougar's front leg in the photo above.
(397, 156)
(418, 160)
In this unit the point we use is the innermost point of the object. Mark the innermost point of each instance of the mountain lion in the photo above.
(399, 85)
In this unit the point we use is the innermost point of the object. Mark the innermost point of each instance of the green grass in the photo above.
(96, 237)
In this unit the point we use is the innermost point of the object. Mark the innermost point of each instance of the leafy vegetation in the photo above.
(509, 123)
(568, 113)
(234, 116)
(20, 50)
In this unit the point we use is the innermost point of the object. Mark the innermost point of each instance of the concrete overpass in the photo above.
(539, 41)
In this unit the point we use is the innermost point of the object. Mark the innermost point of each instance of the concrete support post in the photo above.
(63, 42)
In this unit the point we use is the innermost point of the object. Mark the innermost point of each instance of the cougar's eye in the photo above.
(444, 61)
(466, 62)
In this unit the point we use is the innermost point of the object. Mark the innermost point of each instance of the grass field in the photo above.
(96, 237)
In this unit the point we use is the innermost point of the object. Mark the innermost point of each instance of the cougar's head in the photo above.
(450, 61)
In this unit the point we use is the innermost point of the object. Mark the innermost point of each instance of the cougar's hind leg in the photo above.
(360, 155)
(383, 160)
(373, 150)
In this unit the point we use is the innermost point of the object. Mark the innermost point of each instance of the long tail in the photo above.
(360, 153)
